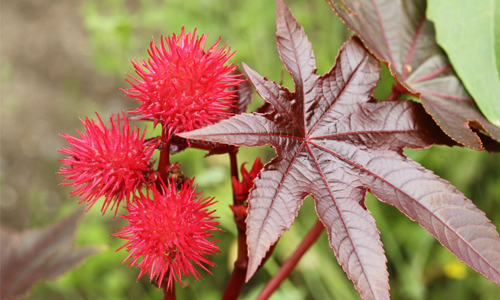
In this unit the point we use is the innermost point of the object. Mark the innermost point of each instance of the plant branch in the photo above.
(234, 167)
(292, 261)
(164, 163)
(237, 279)
(168, 294)
(397, 90)
(178, 144)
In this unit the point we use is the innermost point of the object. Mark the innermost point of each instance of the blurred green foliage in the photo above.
(419, 267)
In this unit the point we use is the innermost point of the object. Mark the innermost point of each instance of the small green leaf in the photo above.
(467, 34)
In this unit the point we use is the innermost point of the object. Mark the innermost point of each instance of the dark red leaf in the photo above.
(398, 33)
(336, 143)
(39, 254)
(243, 95)
(178, 144)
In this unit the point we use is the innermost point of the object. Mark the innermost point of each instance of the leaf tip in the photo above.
(248, 70)
(280, 7)
(251, 269)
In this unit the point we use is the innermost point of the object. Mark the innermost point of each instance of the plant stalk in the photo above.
(292, 261)
(397, 91)
(237, 279)
(167, 293)
(164, 163)
(234, 167)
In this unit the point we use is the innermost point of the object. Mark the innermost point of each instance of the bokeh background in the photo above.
(64, 60)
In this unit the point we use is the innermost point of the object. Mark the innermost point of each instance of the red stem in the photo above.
(237, 279)
(168, 294)
(234, 167)
(397, 90)
(164, 163)
(212, 147)
(292, 261)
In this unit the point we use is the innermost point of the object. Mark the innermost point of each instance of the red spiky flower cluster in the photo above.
(107, 162)
(169, 229)
(183, 86)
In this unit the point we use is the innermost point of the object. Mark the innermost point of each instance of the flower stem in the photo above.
(164, 163)
(237, 279)
(234, 166)
(212, 147)
(292, 261)
(168, 294)
(397, 90)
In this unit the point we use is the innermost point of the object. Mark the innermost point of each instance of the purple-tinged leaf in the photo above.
(398, 33)
(243, 95)
(335, 142)
(39, 254)
(178, 144)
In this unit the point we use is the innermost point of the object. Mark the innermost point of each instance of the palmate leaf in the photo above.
(39, 254)
(336, 143)
(398, 33)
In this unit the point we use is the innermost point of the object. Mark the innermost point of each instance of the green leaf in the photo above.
(497, 34)
(467, 34)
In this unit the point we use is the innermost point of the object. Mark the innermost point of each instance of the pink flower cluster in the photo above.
(169, 229)
(106, 162)
(183, 87)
